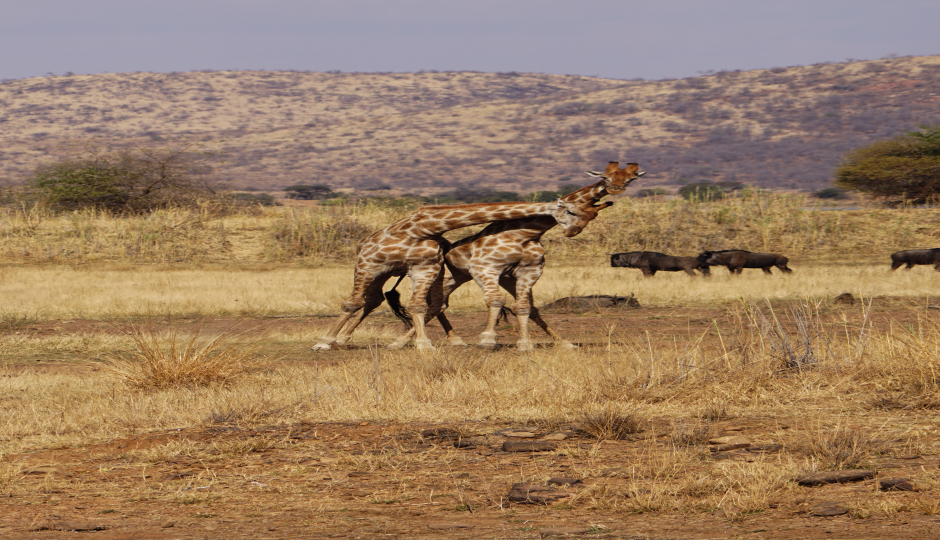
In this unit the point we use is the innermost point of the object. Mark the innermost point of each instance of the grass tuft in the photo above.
(612, 424)
(167, 360)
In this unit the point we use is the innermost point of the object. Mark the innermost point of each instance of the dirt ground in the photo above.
(388, 480)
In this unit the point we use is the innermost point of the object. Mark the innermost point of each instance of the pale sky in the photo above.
(650, 39)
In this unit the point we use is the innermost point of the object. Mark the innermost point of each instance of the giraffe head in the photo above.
(574, 217)
(616, 179)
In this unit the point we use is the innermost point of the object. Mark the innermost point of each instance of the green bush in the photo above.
(132, 180)
(903, 169)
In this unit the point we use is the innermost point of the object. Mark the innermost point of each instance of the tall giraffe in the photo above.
(510, 253)
(415, 246)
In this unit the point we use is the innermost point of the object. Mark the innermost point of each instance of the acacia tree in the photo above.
(902, 169)
(132, 179)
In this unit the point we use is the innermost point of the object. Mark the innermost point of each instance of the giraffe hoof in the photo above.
(456, 341)
(525, 347)
(568, 346)
(396, 346)
(320, 347)
(423, 345)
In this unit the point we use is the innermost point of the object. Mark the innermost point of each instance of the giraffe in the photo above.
(510, 254)
(415, 246)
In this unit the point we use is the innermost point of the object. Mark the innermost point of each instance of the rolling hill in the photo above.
(389, 133)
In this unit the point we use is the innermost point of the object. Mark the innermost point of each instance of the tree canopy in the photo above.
(903, 169)
(132, 179)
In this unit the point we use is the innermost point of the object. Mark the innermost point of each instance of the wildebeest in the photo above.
(737, 259)
(651, 262)
(910, 257)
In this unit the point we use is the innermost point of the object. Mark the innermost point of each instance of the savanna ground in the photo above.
(264, 438)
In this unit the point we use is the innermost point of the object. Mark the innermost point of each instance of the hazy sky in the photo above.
(623, 39)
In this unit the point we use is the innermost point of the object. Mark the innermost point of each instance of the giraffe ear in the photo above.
(595, 174)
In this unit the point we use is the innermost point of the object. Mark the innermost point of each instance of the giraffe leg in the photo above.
(453, 339)
(353, 304)
(427, 279)
(524, 279)
(488, 280)
(532, 313)
(453, 279)
(373, 299)
(437, 303)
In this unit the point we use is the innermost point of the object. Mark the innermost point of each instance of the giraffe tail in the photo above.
(393, 298)
(504, 313)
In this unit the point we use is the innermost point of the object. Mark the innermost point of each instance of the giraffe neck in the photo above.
(435, 220)
(525, 229)
(588, 194)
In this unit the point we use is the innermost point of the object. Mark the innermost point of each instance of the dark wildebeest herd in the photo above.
(735, 260)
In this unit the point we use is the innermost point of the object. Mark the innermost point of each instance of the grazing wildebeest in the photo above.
(911, 257)
(651, 262)
(737, 259)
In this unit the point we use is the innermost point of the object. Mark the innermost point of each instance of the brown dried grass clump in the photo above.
(166, 360)
(612, 424)
(842, 447)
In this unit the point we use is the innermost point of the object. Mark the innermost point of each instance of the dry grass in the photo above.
(844, 447)
(167, 360)
(795, 225)
(611, 424)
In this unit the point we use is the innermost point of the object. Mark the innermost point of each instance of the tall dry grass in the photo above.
(749, 370)
(792, 224)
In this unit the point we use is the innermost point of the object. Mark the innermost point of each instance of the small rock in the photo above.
(529, 446)
(897, 484)
(765, 448)
(560, 481)
(517, 433)
(562, 531)
(440, 433)
(42, 470)
(730, 439)
(844, 298)
(740, 455)
(835, 477)
(445, 525)
(828, 509)
(557, 436)
(729, 447)
(358, 474)
(168, 525)
(464, 443)
(533, 494)
(360, 493)
(78, 527)
(177, 476)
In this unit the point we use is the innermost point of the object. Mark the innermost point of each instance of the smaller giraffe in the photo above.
(415, 246)
(510, 254)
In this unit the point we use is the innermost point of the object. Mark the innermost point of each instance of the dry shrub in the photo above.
(692, 435)
(166, 360)
(841, 447)
(612, 424)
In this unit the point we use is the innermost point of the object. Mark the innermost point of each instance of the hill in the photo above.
(781, 128)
